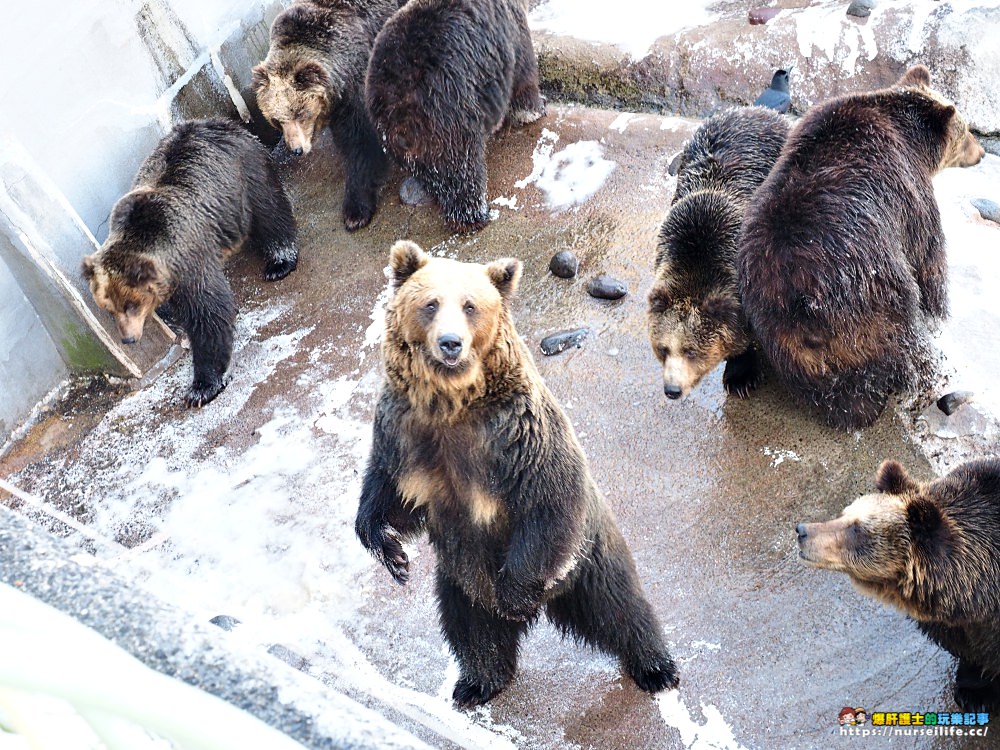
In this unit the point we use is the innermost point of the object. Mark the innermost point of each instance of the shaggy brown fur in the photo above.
(469, 444)
(931, 550)
(314, 75)
(842, 266)
(207, 190)
(695, 315)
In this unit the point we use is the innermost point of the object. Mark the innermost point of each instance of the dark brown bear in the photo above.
(314, 76)
(207, 189)
(931, 550)
(469, 444)
(842, 266)
(695, 315)
(443, 77)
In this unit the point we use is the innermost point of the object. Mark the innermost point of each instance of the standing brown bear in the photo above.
(469, 444)
(314, 76)
(695, 315)
(842, 265)
(443, 76)
(207, 189)
(933, 551)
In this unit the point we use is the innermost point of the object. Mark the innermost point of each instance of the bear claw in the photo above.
(200, 394)
(661, 674)
(279, 269)
(469, 694)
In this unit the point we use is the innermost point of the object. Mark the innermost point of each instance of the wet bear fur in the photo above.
(470, 445)
(695, 316)
(314, 76)
(443, 77)
(931, 550)
(208, 189)
(842, 265)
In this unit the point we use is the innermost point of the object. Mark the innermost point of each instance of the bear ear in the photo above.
(918, 75)
(721, 307)
(923, 516)
(310, 75)
(892, 479)
(659, 300)
(505, 275)
(405, 259)
(87, 267)
(259, 77)
(138, 270)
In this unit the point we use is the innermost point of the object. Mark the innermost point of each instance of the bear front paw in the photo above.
(278, 269)
(656, 674)
(742, 374)
(973, 692)
(384, 542)
(469, 694)
(358, 213)
(518, 600)
(200, 393)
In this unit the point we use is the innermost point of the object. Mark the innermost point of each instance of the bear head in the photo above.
(126, 276)
(695, 319)
(961, 147)
(447, 321)
(295, 95)
(888, 542)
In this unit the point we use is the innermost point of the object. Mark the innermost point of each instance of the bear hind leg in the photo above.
(460, 189)
(974, 691)
(272, 230)
(485, 644)
(366, 165)
(606, 608)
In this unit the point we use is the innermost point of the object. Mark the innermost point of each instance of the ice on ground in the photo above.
(632, 25)
(570, 176)
(622, 121)
(714, 734)
(779, 456)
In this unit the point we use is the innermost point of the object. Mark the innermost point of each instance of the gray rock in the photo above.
(987, 209)
(607, 287)
(564, 265)
(225, 622)
(558, 342)
(950, 402)
(861, 8)
(413, 193)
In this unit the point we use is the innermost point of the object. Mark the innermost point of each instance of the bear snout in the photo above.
(450, 345)
(129, 339)
(672, 391)
(802, 532)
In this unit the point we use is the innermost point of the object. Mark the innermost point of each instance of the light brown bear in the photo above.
(314, 76)
(931, 550)
(469, 445)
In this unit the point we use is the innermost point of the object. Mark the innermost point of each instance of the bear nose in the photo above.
(450, 345)
(801, 531)
(297, 150)
(672, 391)
(128, 339)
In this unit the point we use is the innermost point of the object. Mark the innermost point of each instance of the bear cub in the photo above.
(695, 316)
(931, 550)
(207, 189)
(314, 76)
(842, 265)
(471, 446)
(444, 75)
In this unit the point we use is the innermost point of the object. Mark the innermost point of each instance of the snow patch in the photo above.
(622, 121)
(714, 734)
(568, 177)
(510, 202)
(780, 456)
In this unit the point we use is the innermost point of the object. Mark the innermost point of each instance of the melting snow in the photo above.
(570, 176)
(714, 734)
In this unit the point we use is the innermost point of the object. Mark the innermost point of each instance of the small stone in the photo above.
(558, 342)
(225, 622)
(950, 402)
(860, 8)
(675, 164)
(606, 287)
(288, 656)
(564, 265)
(987, 209)
(413, 193)
(762, 15)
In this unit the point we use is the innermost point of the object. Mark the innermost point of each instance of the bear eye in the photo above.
(663, 351)
(690, 354)
(469, 308)
(131, 308)
(431, 307)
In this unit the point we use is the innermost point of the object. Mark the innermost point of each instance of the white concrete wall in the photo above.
(89, 87)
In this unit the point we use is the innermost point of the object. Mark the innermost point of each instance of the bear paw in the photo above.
(974, 692)
(516, 599)
(384, 542)
(279, 269)
(200, 393)
(742, 374)
(469, 694)
(358, 213)
(656, 674)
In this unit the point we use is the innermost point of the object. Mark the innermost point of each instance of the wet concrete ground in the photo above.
(707, 491)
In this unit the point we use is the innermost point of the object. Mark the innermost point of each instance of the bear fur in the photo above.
(695, 316)
(469, 444)
(931, 550)
(207, 189)
(443, 76)
(842, 265)
(314, 76)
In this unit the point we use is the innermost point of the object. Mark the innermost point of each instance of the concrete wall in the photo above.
(90, 87)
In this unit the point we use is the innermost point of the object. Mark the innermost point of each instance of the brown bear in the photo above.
(841, 264)
(314, 76)
(207, 189)
(931, 550)
(695, 316)
(469, 444)
(443, 76)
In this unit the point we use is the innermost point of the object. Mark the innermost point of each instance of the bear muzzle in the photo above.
(821, 544)
(450, 346)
